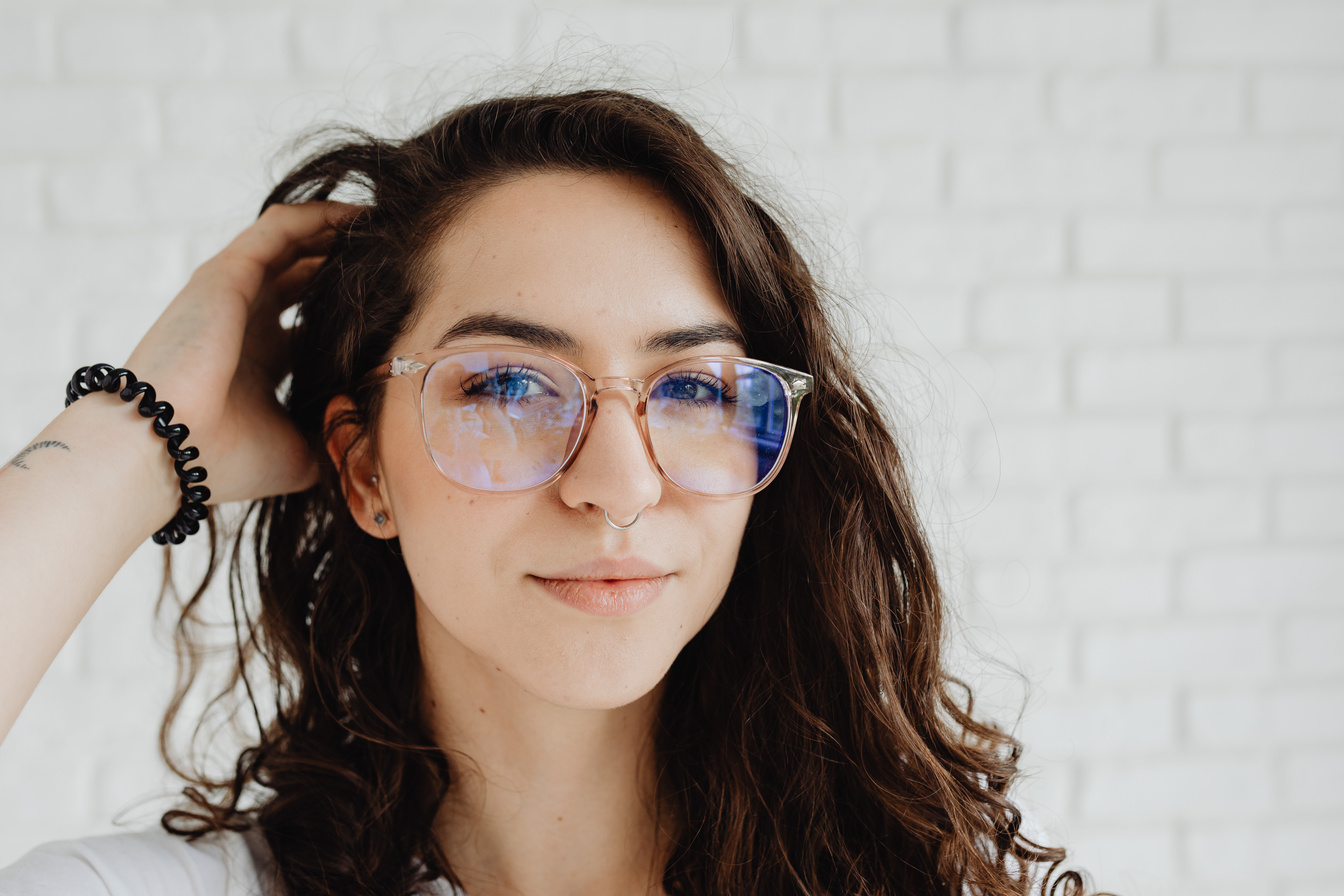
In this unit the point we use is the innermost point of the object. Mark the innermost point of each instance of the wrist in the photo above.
(109, 432)
(106, 378)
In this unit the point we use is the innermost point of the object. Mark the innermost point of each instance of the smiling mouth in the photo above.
(606, 597)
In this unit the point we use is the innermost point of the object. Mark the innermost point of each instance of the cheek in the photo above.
(722, 527)
(458, 546)
(448, 536)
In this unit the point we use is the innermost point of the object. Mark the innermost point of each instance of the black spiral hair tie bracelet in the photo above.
(187, 520)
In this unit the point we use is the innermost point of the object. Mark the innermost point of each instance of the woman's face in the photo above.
(610, 263)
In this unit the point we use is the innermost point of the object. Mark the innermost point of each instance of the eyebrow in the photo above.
(555, 340)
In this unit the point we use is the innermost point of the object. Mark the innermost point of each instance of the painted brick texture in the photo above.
(1100, 245)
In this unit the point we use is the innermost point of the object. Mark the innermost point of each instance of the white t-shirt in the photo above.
(151, 863)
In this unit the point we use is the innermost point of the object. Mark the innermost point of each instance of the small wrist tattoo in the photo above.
(18, 458)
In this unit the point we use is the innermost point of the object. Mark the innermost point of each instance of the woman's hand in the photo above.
(218, 352)
(216, 355)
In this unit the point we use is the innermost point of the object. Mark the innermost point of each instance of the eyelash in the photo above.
(476, 384)
(712, 383)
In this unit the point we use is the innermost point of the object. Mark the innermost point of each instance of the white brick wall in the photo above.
(1106, 236)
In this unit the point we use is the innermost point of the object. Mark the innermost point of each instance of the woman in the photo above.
(545, 609)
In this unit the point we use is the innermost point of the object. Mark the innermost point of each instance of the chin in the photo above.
(609, 681)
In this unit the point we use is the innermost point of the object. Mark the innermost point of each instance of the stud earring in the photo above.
(377, 517)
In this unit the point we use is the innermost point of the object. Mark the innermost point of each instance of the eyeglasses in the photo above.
(502, 418)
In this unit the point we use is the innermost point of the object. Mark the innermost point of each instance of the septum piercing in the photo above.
(614, 526)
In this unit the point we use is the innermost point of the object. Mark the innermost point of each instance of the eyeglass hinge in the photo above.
(401, 365)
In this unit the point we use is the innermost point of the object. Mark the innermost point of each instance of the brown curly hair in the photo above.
(810, 739)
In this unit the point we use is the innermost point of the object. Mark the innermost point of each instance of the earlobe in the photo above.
(364, 492)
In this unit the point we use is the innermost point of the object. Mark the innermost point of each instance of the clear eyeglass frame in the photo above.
(415, 366)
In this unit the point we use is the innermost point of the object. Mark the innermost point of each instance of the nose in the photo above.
(613, 470)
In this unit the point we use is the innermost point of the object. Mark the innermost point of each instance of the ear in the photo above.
(364, 497)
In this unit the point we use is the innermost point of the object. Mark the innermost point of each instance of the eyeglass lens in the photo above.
(502, 420)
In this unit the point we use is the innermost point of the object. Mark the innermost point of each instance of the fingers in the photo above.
(282, 291)
(285, 232)
(266, 340)
(279, 237)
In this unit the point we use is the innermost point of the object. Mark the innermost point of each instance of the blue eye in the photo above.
(698, 388)
(508, 384)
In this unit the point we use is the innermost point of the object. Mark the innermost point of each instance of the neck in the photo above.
(546, 800)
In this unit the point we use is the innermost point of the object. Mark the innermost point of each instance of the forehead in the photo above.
(605, 258)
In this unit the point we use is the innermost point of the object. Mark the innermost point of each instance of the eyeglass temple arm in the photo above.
(389, 369)
(798, 382)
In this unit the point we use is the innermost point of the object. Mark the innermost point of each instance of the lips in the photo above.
(606, 597)
(610, 568)
(607, 587)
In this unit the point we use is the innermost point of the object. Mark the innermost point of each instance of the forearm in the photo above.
(75, 503)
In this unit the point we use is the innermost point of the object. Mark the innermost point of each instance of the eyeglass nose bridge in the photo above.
(633, 389)
(633, 385)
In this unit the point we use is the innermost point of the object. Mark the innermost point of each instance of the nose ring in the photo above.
(614, 526)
